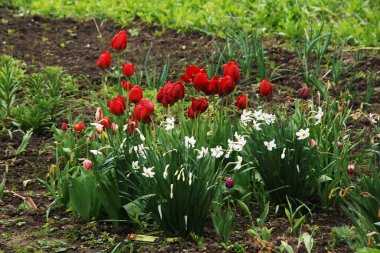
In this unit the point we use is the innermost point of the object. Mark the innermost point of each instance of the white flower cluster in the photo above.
(257, 118)
(318, 116)
(169, 123)
(140, 150)
(190, 142)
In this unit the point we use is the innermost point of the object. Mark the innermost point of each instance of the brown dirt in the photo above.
(76, 46)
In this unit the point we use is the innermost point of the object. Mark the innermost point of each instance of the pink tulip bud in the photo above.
(351, 169)
(313, 143)
(114, 127)
(98, 114)
(64, 126)
(99, 128)
(229, 182)
(87, 164)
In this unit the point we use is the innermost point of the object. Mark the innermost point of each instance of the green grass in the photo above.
(356, 22)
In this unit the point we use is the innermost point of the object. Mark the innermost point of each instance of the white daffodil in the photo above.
(318, 116)
(148, 172)
(165, 174)
(238, 163)
(256, 125)
(269, 118)
(258, 115)
(246, 117)
(270, 145)
(169, 123)
(190, 142)
(140, 150)
(96, 152)
(372, 119)
(202, 153)
(303, 134)
(135, 165)
(217, 151)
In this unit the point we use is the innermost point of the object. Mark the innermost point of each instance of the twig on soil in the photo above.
(28, 201)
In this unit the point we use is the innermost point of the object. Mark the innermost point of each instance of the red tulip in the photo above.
(171, 93)
(197, 106)
(266, 88)
(135, 94)
(200, 81)
(126, 85)
(191, 71)
(226, 85)
(241, 102)
(79, 127)
(229, 183)
(144, 110)
(106, 122)
(128, 69)
(87, 164)
(304, 92)
(213, 86)
(190, 112)
(104, 60)
(132, 124)
(64, 126)
(119, 41)
(117, 105)
(232, 69)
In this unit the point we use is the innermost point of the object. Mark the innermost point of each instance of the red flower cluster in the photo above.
(198, 106)
(117, 105)
(221, 86)
(170, 93)
(144, 110)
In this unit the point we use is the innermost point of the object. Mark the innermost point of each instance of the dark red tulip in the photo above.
(351, 169)
(135, 94)
(200, 81)
(229, 183)
(226, 85)
(119, 41)
(126, 85)
(104, 60)
(128, 69)
(190, 112)
(241, 102)
(79, 127)
(197, 106)
(232, 69)
(132, 124)
(170, 93)
(117, 105)
(266, 88)
(213, 86)
(304, 92)
(64, 126)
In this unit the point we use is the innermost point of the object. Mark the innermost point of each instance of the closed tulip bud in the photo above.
(87, 164)
(226, 85)
(98, 114)
(79, 127)
(304, 92)
(190, 112)
(104, 60)
(241, 102)
(351, 169)
(114, 127)
(119, 41)
(104, 136)
(135, 94)
(266, 88)
(64, 126)
(232, 69)
(126, 85)
(313, 143)
(128, 69)
(229, 183)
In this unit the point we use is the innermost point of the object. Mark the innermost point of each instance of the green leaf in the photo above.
(263, 216)
(287, 247)
(80, 201)
(245, 208)
(308, 241)
(266, 234)
(368, 250)
(24, 143)
(324, 178)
